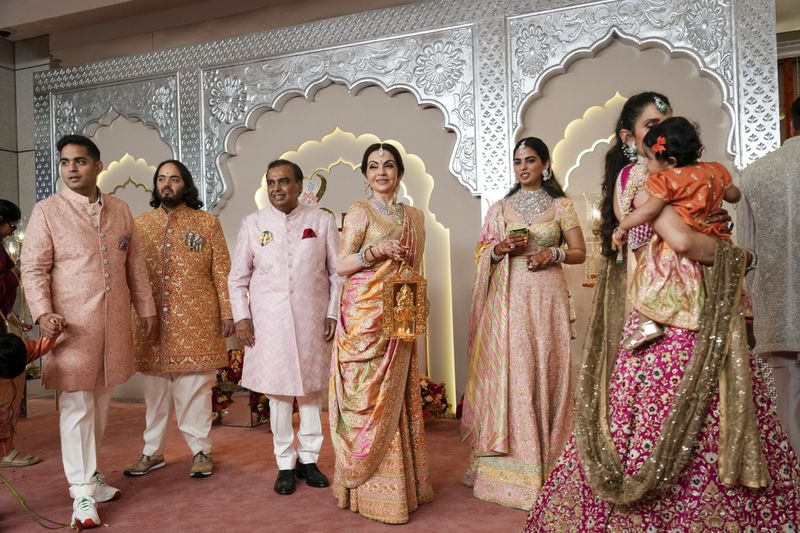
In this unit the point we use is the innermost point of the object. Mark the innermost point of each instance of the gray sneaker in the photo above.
(104, 492)
(202, 465)
(145, 465)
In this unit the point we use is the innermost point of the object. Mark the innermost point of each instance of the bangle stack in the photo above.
(557, 255)
(753, 262)
(496, 258)
(362, 257)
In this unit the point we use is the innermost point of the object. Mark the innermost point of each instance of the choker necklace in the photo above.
(390, 210)
(530, 204)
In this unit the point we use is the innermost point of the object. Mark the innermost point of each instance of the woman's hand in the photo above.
(540, 260)
(513, 244)
(722, 218)
(389, 249)
(618, 238)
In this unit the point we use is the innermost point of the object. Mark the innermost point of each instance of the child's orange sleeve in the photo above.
(39, 347)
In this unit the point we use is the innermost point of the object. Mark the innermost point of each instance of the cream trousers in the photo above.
(309, 436)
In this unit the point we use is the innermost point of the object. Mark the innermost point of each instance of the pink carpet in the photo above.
(239, 496)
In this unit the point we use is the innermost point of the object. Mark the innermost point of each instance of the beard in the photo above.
(173, 200)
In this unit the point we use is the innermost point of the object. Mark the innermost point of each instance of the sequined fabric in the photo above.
(768, 222)
(518, 403)
(375, 408)
(633, 179)
(188, 264)
(640, 399)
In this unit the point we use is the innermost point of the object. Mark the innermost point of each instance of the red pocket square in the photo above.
(308, 233)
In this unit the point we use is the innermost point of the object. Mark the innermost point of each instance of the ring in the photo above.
(512, 246)
(730, 226)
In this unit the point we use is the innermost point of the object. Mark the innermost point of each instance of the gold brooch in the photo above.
(265, 237)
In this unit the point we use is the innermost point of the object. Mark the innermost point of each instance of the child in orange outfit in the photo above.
(666, 288)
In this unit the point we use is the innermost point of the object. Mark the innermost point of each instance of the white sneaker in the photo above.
(84, 513)
(103, 491)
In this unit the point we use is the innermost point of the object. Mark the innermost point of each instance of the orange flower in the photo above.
(660, 145)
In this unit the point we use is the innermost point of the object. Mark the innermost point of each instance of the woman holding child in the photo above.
(681, 436)
(517, 410)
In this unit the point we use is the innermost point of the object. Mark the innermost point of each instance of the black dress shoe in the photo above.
(312, 475)
(285, 483)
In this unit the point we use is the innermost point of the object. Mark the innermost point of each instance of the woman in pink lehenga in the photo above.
(683, 436)
(518, 401)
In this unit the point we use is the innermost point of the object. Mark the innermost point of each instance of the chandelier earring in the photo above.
(630, 151)
(368, 191)
(546, 174)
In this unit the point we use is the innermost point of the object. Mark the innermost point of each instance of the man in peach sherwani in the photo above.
(80, 261)
(285, 261)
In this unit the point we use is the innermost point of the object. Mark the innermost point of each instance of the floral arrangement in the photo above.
(259, 406)
(434, 398)
(233, 372)
(220, 399)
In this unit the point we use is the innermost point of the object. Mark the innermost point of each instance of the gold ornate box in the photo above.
(405, 304)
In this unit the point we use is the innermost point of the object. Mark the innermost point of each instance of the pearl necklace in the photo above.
(530, 204)
(390, 210)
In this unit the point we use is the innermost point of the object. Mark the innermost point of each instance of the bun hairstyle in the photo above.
(676, 140)
(616, 160)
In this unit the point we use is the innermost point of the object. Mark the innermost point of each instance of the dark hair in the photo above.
(796, 115)
(13, 356)
(550, 186)
(616, 160)
(80, 140)
(191, 196)
(298, 172)
(9, 211)
(681, 141)
(401, 168)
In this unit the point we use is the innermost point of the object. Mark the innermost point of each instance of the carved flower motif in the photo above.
(161, 105)
(532, 50)
(439, 67)
(705, 25)
(228, 100)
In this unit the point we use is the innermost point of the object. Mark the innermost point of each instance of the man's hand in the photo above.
(330, 329)
(244, 332)
(150, 327)
(228, 328)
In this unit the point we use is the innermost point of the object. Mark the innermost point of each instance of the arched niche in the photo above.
(578, 126)
(300, 129)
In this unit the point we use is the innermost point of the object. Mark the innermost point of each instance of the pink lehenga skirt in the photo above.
(640, 396)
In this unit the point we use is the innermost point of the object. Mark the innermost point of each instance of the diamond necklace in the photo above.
(530, 204)
(390, 210)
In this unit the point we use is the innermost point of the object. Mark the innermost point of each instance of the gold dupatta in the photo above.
(369, 373)
(484, 420)
(720, 358)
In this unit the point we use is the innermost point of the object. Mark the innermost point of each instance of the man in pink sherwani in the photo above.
(80, 260)
(285, 261)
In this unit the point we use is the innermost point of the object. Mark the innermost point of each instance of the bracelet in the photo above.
(557, 255)
(753, 262)
(496, 258)
(362, 259)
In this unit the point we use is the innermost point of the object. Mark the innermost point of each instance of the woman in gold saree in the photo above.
(518, 402)
(375, 413)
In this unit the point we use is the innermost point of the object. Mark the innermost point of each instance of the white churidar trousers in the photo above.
(83, 416)
(309, 436)
(190, 392)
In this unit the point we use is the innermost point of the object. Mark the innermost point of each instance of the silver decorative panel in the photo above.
(478, 61)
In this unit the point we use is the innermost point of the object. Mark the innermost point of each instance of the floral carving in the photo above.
(161, 105)
(228, 100)
(706, 25)
(532, 50)
(66, 118)
(439, 67)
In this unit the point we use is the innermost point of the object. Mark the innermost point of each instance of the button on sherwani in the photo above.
(285, 265)
(188, 263)
(82, 261)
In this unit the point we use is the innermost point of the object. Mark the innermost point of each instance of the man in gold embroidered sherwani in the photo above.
(188, 263)
(770, 225)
